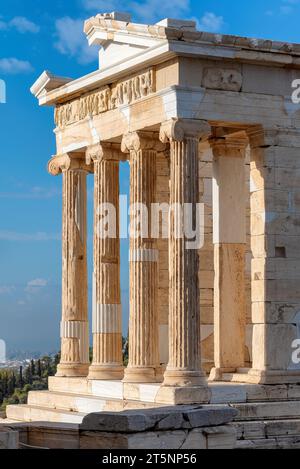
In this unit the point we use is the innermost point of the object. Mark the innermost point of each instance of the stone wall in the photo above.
(275, 244)
(206, 256)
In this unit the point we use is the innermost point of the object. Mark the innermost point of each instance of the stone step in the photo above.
(30, 413)
(65, 401)
(80, 403)
(268, 434)
(263, 429)
(268, 410)
(222, 392)
(105, 389)
(257, 444)
(269, 443)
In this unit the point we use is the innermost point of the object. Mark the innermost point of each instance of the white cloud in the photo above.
(153, 10)
(286, 9)
(72, 41)
(15, 66)
(21, 24)
(37, 282)
(39, 236)
(36, 285)
(7, 289)
(211, 23)
(147, 11)
(288, 6)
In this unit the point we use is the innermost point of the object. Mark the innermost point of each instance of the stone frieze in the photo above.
(105, 99)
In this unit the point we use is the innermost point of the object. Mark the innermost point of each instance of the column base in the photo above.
(216, 374)
(182, 378)
(273, 376)
(176, 395)
(108, 373)
(72, 370)
(159, 373)
(140, 375)
(252, 376)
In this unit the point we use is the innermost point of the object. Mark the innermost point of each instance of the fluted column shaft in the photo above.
(184, 367)
(74, 325)
(107, 314)
(183, 264)
(143, 257)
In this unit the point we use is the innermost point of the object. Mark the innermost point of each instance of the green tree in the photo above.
(28, 375)
(32, 367)
(39, 368)
(16, 384)
(21, 380)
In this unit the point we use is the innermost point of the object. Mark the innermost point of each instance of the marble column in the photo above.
(184, 379)
(107, 313)
(143, 360)
(229, 236)
(74, 325)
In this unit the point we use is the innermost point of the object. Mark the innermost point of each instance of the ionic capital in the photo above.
(67, 162)
(135, 141)
(179, 129)
(103, 151)
(228, 146)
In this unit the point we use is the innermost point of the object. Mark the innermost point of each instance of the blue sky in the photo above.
(36, 35)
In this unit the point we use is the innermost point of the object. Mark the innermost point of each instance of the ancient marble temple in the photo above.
(201, 118)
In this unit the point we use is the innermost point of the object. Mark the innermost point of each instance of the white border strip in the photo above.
(107, 319)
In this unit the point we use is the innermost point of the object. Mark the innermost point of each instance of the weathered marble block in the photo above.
(9, 439)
